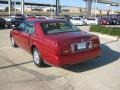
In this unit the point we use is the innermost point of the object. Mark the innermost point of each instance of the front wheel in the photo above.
(13, 42)
(37, 58)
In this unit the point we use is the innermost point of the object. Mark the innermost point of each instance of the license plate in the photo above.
(81, 45)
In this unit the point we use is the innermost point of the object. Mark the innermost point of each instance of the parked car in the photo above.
(30, 18)
(76, 21)
(55, 42)
(21, 16)
(2, 22)
(60, 17)
(91, 21)
(8, 18)
(114, 21)
(16, 21)
(109, 20)
(104, 21)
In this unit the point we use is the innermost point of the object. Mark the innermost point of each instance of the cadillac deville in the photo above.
(55, 42)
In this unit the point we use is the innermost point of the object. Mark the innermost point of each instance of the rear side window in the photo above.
(29, 27)
(22, 25)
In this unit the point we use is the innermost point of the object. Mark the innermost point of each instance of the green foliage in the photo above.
(105, 30)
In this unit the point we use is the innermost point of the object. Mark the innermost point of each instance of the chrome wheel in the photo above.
(6, 26)
(12, 41)
(36, 57)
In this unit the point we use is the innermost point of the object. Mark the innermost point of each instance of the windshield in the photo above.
(90, 19)
(17, 19)
(58, 27)
(104, 18)
(76, 18)
(115, 19)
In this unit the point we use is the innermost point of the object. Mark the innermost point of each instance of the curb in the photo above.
(106, 36)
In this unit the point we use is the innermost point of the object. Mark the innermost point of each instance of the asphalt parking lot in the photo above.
(18, 72)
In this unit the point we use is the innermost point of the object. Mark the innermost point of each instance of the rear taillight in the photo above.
(107, 22)
(95, 43)
(104, 21)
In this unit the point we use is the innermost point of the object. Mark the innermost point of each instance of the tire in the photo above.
(13, 42)
(37, 58)
(6, 26)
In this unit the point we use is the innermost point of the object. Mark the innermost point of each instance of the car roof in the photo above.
(44, 20)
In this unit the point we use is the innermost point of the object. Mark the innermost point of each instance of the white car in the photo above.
(77, 21)
(8, 18)
(91, 21)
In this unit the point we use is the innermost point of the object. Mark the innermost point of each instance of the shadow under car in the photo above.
(108, 56)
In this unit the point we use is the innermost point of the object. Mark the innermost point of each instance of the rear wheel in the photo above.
(13, 42)
(37, 58)
(6, 26)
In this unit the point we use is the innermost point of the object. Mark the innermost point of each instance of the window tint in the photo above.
(76, 18)
(29, 28)
(26, 28)
(58, 27)
(90, 19)
(22, 25)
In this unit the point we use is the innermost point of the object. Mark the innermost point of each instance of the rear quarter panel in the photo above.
(43, 43)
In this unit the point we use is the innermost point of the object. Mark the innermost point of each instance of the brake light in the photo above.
(96, 43)
(104, 21)
(107, 22)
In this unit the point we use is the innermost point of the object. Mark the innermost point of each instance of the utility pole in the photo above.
(9, 7)
(57, 7)
(22, 6)
(88, 7)
(96, 1)
(15, 6)
(51, 8)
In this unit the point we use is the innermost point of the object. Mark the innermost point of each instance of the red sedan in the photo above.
(55, 42)
(104, 21)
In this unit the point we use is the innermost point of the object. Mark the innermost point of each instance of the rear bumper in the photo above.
(92, 23)
(74, 58)
(78, 23)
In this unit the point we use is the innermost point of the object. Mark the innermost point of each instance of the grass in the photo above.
(114, 31)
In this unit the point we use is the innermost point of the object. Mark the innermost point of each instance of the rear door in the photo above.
(17, 34)
(25, 36)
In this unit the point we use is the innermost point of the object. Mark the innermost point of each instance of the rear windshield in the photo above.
(90, 19)
(114, 18)
(76, 18)
(58, 27)
(105, 18)
(18, 19)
